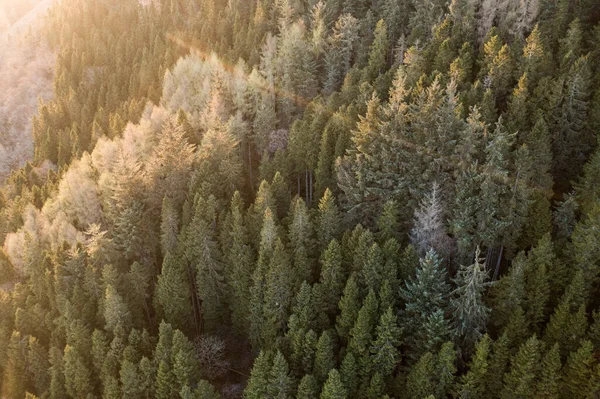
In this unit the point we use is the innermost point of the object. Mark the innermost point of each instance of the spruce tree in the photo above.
(424, 295)
(308, 388)
(577, 373)
(470, 311)
(471, 385)
(349, 306)
(385, 354)
(548, 383)
(332, 277)
(524, 369)
(173, 291)
(259, 383)
(280, 383)
(333, 388)
(324, 357)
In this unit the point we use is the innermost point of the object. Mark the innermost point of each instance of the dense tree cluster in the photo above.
(289, 199)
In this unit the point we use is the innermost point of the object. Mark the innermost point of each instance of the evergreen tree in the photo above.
(333, 388)
(173, 292)
(524, 369)
(577, 372)
(259, 383)
(280, 382)
(384, 349)
(548, 383)
(332, 277)
(472, 384)
(470, 312)
(424, 295)
(349, 306)
(308, 387)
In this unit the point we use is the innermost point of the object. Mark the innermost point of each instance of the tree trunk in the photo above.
(250, 165)
(298, 175)
(311, 186)
(306, 184)
(498, 263)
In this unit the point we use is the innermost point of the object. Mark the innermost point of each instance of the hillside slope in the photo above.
(26, 75)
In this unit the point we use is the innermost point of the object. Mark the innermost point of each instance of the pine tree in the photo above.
(548, 383)
(472, 384)
(587, 187)
(278, 294)
(280, 381)
(424, 295)
(328, 220)
(169, 226)
(185, 362)
(324, 357)
(587, 255)
(332, 277)
(116, 312)
(203, 253)
(308, 388)
(333, 388)
(259, 385)
(57, 379)
(361, 333)
(577, 373)
(372, 272)
(377, 53)
(537, 292)
(498, 365)
(165, 381)
(429, 231)
(420, 381)
(15, 377)
(301, 239)
(568, 324)
(173, 292)
(349, 306)
(572, 138)
(78, 378)
(349, 370)
(38, 365)
(470, 312)
(524, 369)
(385, 352)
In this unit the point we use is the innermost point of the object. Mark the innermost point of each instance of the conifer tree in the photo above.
(385, 348)
(308, 387)
(349, 373)
(301, 239)
(571, 141)
(429, 231)
(328, 223)
(424, 295)
(333, 388)
(169, 226)
(470, 311)
(498, 364)
(258, 385)
(524, 369)
(420, 381)
(472, 383)
(548, 383)
(173, 292)
(349, 306)
(280, 381)
(577, 372)
(361, 334)
(324, 357)
(332, 277)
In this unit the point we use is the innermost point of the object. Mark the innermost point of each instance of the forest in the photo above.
(310, 199)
